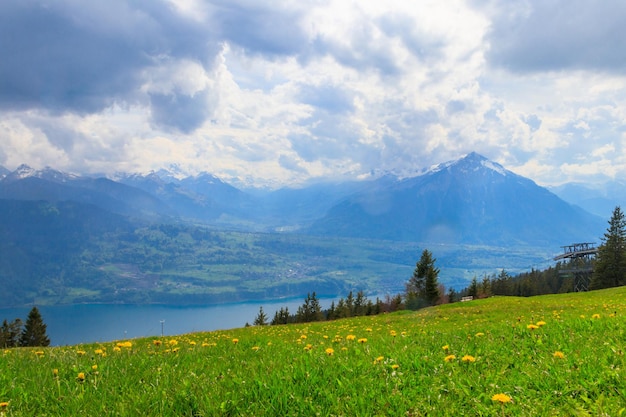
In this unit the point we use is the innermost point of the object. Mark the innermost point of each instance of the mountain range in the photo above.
(470, 200)
(48, 214)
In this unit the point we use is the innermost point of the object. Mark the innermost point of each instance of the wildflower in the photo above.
(308, 347)
(98, 351)
(403, 334)
(55, 372)
(559, 355)
(39, 353)
(343, 349)
(303, 336)
(595, 316)
(4, 405)
(532, 327)
(395, 366)
(330, 351)
(501, 398)
(468, 358)
(380, 359)
(449, 358)
(541, 323)
(393, 333)
(235, 341)
(445, 348)
(80, 377)
(80, 352)
(117, 349)
(350, 337)
(255, 348)
(479, 334)
(362, 340)
(94, 367)
(172, 342)
(368, 329)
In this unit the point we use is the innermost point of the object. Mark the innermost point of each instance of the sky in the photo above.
(274, 93)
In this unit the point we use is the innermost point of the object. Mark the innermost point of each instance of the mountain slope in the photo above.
(471, 200)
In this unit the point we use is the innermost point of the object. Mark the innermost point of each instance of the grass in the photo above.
(558, 355)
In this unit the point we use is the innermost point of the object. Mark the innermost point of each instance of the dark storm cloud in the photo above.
(560, 35)
(84, 56)
(259, 28)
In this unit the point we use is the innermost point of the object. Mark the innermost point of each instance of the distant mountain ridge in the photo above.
(469, 200)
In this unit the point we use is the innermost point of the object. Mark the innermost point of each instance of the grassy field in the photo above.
(558, 355)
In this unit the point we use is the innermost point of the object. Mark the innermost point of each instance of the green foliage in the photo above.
(34, 333)
(261, 318)
(610, 265)
(449, 360)
(423, 287)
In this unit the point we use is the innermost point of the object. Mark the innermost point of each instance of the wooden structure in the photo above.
(579, 257)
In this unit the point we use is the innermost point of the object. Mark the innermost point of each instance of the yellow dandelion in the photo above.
(55, 372)
(117, 349)
(362, 340)
(255, 348)
(393, 333)
(445, 347)
(595, 316)
(98, 351)
(3, 405)
(80, 352)
(449, 358)
(532, 327)
(303, 336)
(479, 334)
(403, 334)
(330, 351)
(172, 342)
(380, 359)
(559, 355)
(350, 337)
(235, 341)
(94, 367)
(308, 347)
(343, 349)
(39, 353)
(541, 323)
(395, 366)
(582, 316)
(80, 377)
(468, 358)
(368, 329)
(157, 342)
(501, 398)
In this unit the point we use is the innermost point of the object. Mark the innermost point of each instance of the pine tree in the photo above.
(34, 333)
(424, 283)
(610, 265)
(261, 318)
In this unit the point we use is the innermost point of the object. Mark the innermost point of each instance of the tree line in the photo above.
(423, 288)
(19, 334)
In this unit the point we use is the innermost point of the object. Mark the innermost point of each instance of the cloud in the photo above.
(553, 35)
(279, 92)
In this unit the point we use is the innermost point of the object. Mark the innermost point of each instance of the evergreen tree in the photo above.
(472, 290)
(610, 266)
(261, 318)
(424, 283)
(34, 333)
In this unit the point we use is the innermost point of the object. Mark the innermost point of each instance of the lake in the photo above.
(88, 323)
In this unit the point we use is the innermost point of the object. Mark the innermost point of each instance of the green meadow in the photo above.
(556, 355)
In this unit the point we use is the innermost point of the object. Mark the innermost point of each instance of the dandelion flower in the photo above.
(330, 351)
(80, 352)
(55, 372)
(559, 355)
(532, 327)
(445, 347)
(449, 358)
(501, 398)
(350, 337)
(80, 377)
(468, 358)
(393, 333)
(395, 366)
(235, 341)
(255, 348)
(541, 323)
(39, 353)
(595, 316)
(362, 340)
(303, 336)
(380, 359)
(479, 334)
(98, 351)
(3, 405)
(368, 329)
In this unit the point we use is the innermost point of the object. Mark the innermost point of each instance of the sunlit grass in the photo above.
(476, 358)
